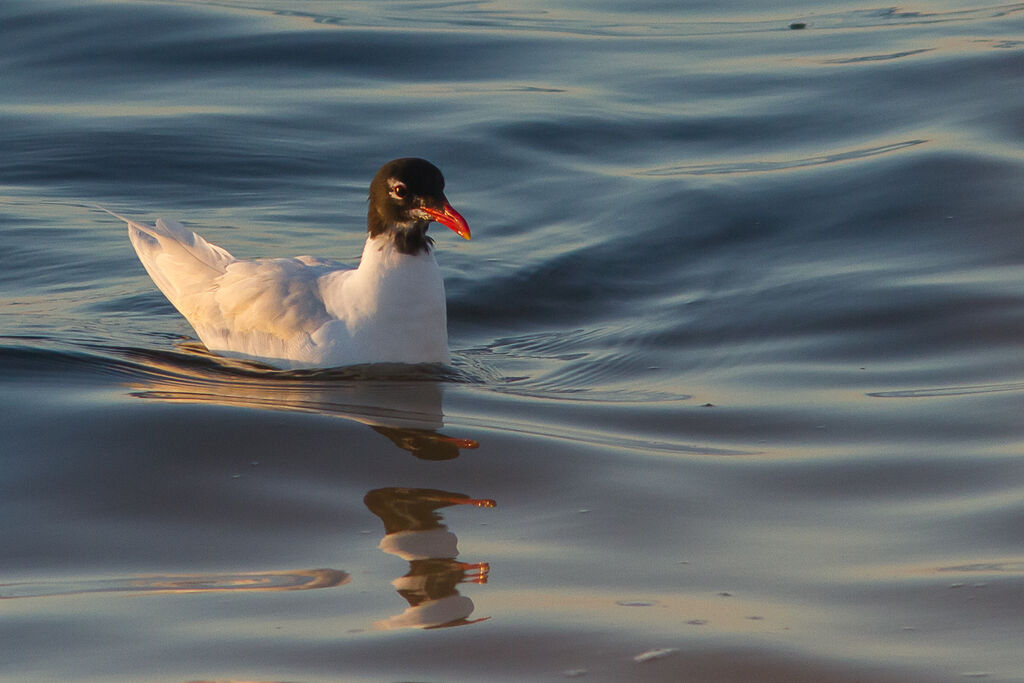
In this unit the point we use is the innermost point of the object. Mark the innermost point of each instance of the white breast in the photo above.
(391, 309)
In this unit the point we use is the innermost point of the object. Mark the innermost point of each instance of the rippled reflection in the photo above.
(413, 531)
(402, 403)
(304, 579)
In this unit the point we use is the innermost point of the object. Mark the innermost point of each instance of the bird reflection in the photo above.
(404, 404)
(414, 532)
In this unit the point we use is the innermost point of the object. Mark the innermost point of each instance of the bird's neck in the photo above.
(383, 255)
(408, 238)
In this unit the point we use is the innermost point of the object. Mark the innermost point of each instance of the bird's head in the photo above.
(405, 196)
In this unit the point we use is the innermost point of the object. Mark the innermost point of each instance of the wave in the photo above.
(939, 392)
(781, 165)
(410, 399)
(305, 579)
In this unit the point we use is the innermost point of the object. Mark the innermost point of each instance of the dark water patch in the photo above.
(868, 484)
(141, 303)
(51, 252)
(192, 365)
(65, 29)
(36, 365)
(116, 153)
(219, 46)
(934, 323)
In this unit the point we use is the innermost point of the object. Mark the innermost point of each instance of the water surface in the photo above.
(736, 385)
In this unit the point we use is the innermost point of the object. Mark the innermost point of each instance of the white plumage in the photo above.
(307, 312)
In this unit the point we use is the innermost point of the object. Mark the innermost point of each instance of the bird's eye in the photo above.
(398, 190)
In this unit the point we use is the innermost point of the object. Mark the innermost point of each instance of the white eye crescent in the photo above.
(398, 190)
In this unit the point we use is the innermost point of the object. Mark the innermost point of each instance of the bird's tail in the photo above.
(180, 262)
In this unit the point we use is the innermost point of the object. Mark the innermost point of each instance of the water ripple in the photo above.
(878, 58)
(782, 165)
(305, 579)
(950, 391)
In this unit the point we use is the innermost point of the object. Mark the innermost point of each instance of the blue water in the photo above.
(737, 375)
